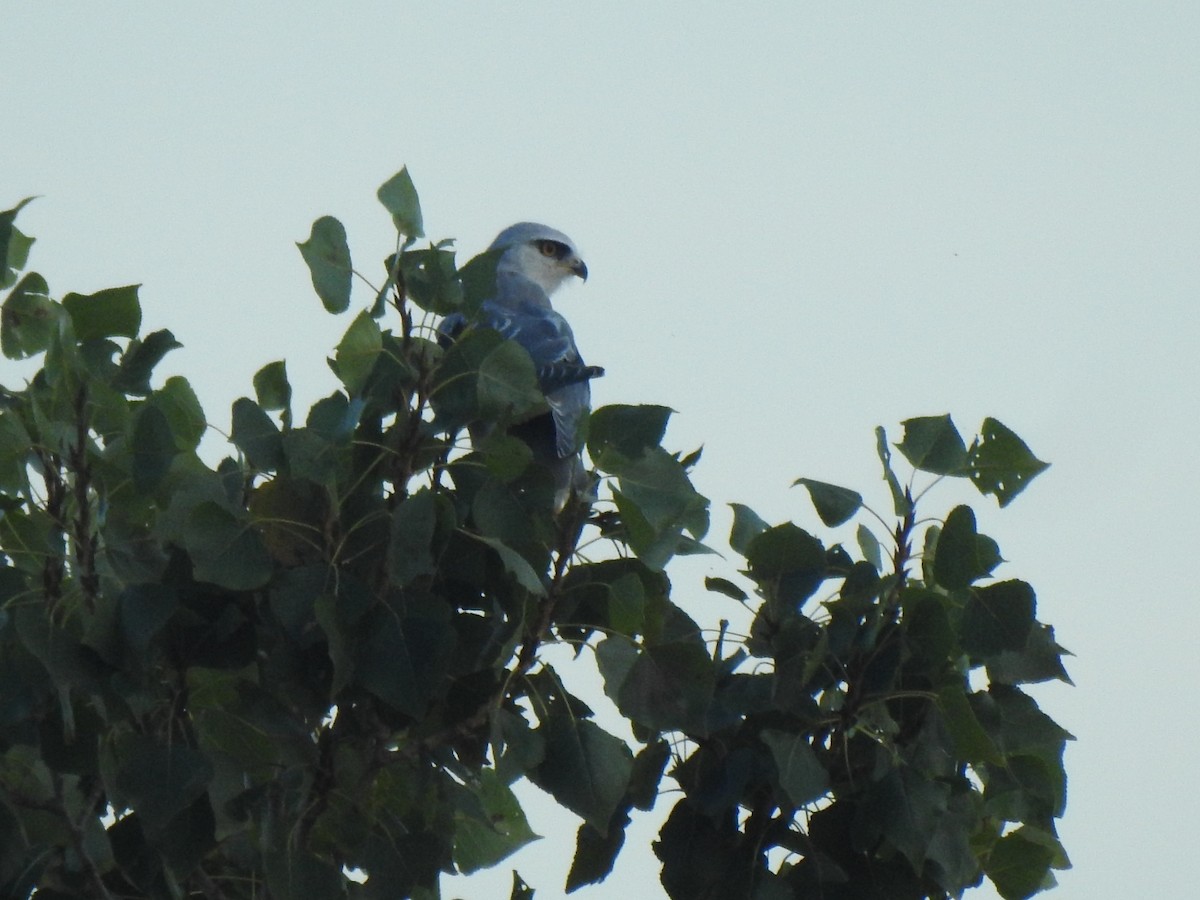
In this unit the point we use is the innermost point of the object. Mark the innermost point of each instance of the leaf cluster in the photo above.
(314, 669)
(872, 725)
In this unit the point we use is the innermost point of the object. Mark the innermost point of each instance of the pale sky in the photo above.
(801, 221)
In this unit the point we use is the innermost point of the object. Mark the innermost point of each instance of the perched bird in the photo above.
(535, 262)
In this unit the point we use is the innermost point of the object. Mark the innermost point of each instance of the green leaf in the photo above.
(139, 360)
(790, 558)
(998, 618)
(956, 561)
(507, 385)
(726, 587)
(1000, 463)
(630, 430)
(663, 688)
(955, 863)
(1017, 726)
(801, 775)
(328, 258)
(520, 890)
(657, 503)
(933, 444)
(403, 661)
(159, 782)
(114, 312)
(869, 545)
(971, 740)
(900, 499)
(154, 447)
(586, 769)
(505, 456)
(14, 246)
(293, 873)
(181, 407)
(410, 552)
(1039, 660)
(431, 280)
(256, 435)
(14, 254)
(834, 504)
(648, 767)
(357, 352)
(1019, 864)
(747, 525)
(399, 197)
(478, 280)
(595, 853)
(455, 393)
(905, 808)
(514, 563)
(492, 828)
(28, 318)
(225, 550)
(143, 611)
(271, 387)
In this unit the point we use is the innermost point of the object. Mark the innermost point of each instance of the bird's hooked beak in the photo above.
(579, 267)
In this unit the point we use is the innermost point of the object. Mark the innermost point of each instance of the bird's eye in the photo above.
(549, 248)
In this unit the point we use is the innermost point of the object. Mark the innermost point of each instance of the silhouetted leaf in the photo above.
(271, 387)
(520, 890)
(869, 545)
(256, 435)
(139, 360)
(648, 767)
(746, 526)
(801, 775)
(1019, 864)
(834, 504)
(971, 741)
(114, 312)
(14, 246)
(328, 258)
(181, 408)
(997, 618)
(726, 587)
(515, 564)
(1000, 463)
(933, 444)
(357, 352)
(399, 197)
(956, 563)
(595, 852)
(1039, 660)
(900, 501)
(663, 688)
(790, 558)
(491, 828)
(28, 318)
(630, 430)
(586, 769)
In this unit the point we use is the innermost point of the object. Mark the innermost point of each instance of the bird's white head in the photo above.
(539, 253)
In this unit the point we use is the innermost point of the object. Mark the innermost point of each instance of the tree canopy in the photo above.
(315, 669)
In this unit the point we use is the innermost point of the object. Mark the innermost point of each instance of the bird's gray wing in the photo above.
(562, 374)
